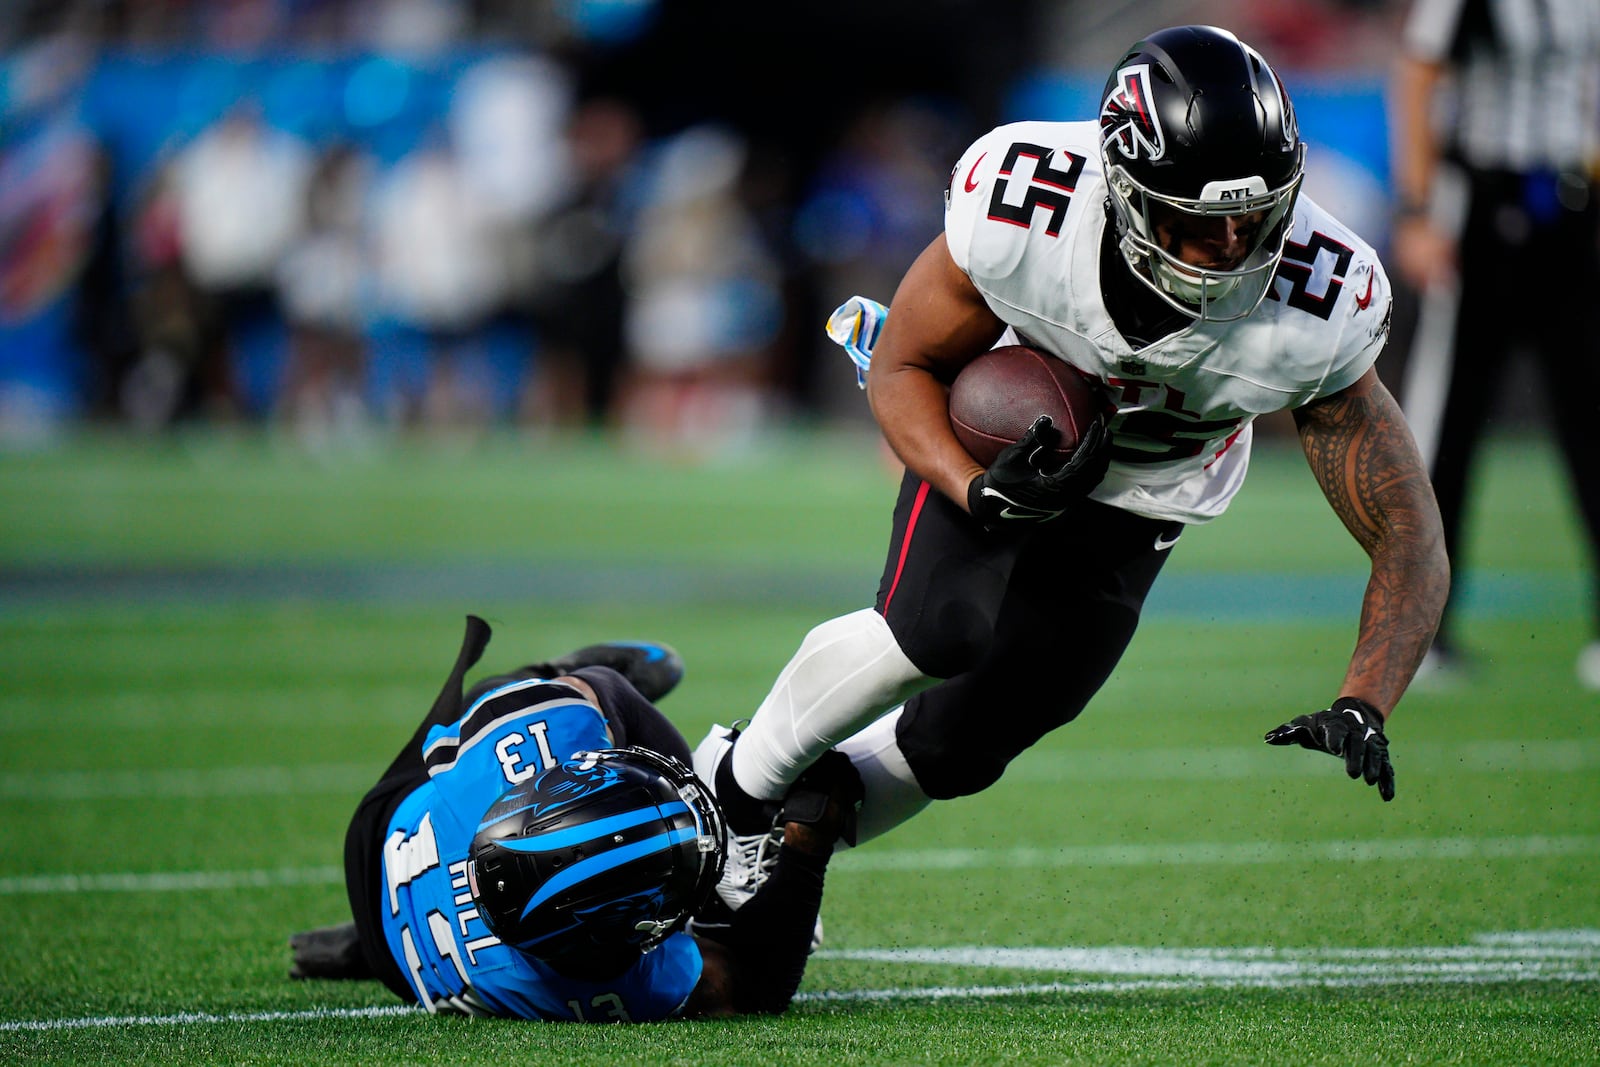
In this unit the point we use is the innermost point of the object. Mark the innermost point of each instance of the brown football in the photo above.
(997, 397)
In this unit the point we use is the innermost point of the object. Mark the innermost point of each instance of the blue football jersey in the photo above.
(453, 962)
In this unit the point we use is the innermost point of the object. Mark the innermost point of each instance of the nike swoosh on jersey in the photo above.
(969, 183)
(1363, 301)
(1163, 542)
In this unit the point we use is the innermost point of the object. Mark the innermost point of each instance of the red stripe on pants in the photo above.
(905, 545)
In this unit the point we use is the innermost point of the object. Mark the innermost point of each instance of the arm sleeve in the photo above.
(633, 719)
(770, 937)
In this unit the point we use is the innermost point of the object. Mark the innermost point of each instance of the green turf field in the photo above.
(210, 646)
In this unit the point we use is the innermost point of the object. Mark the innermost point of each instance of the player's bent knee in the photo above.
(958, 738)
(953, 633)
(949, 764)
(856, 653)
(947, 771)
(847, 672)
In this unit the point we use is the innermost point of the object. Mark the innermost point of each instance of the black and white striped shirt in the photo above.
(1527, 78)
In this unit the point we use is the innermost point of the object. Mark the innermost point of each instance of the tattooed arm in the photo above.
(1366, 461)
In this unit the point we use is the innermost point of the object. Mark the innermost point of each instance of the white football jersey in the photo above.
(1024, 220)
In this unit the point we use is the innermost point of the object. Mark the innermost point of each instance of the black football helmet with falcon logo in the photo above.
(1194, 121)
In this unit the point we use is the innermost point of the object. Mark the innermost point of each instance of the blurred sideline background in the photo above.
(349, 220)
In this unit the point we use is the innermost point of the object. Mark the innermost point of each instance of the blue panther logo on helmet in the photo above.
(582, 776)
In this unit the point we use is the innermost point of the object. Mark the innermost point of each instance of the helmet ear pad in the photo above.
(1195, 120)
(587, 864)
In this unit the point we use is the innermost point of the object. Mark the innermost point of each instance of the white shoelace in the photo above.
(751, 859)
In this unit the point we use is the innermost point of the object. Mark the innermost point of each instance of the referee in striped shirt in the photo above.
(1495, 108)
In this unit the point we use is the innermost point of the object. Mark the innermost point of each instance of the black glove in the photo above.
(828, 795)
(1353, 729)
(1017, 488)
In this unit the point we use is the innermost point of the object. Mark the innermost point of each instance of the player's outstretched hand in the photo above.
(1351, 728)
(1018, 488)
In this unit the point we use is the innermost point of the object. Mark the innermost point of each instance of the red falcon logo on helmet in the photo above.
(1127, 118)
(1291, 126)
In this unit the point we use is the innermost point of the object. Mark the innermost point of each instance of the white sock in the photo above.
(892, 792)
(847, 672)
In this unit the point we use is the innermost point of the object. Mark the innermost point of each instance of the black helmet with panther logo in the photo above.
(600, 857)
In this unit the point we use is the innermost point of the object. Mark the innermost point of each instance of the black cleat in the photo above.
(653, 668)
(329, 952)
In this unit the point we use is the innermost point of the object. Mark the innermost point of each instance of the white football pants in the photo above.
(846, 674)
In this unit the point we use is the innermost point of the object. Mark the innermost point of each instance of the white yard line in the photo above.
(1522, 956)
(1564, 954)
(308, 779)
(1090, 988)
(169, 881)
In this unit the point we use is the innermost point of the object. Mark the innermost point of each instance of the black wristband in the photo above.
(975, 495)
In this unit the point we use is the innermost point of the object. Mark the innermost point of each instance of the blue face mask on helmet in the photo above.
(611, 850)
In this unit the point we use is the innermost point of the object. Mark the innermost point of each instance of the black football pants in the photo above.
(1024, 627)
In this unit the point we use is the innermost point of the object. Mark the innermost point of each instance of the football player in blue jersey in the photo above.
(538, 847)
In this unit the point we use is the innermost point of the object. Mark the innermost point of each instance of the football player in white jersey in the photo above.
(1167, 251)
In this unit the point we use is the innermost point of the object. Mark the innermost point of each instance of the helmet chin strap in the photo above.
(1191, 289)
(1192, 294)
(1183, 294)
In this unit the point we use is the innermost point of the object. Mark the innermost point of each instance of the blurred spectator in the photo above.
(507, 117)
(577, 287)
(438, 279)
(867, 216)
(872, 206)
(1497, 227)
(179, 370)
(104, 314)
(240, 192)
(409, 27)
(507, 123)
(703, 302)
(321, 283)
(1317, 35)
